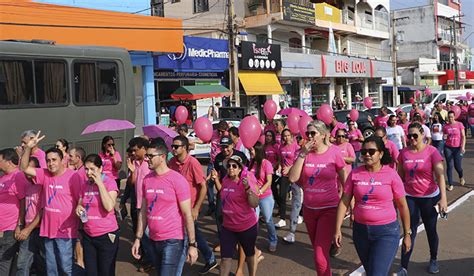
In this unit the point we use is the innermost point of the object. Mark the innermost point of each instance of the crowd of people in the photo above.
(59, 213)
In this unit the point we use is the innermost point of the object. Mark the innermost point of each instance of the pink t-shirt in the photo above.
(215, 145)
(418, 167)
(60, 194)
(108, 164)
(191, 169)
(12, 190)
(288, 155)
(237, 213)
(41, 156)
(347, 151)
(33, 199)
(319, 178)
(100, 221)
(374, 194)
(353, 136)
(381, 121)
(163, 194)
(265, 170)
(271, 153)
(453, 131)
(405, 127)
(392, 148)
(141, 171)
(338, 126)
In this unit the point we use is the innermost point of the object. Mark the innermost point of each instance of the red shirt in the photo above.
(191, 169)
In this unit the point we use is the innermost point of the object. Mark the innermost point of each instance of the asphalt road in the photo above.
(456, 251)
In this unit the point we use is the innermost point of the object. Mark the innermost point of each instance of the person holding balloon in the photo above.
(319, 169)
(454, 149)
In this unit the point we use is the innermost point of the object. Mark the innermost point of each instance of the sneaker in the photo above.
(300, 220)
(289, 238)
(450, 188)
(208, 267)
(272, 248)
(401, 272)
(462, 181)
(335, 251)
(280, 224)
(433, 267)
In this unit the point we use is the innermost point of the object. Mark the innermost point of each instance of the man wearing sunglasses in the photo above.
(191, 169)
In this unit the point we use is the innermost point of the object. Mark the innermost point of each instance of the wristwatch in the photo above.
(193, 244)
(408, 232)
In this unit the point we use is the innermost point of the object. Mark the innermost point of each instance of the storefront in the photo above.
(466, 79)
(258, 65)
(199, 70)
(323, 78)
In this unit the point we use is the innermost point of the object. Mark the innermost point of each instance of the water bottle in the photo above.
(83, 216)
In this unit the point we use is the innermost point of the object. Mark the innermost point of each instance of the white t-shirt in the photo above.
(427, 133)
(396, 134)
(437, 132)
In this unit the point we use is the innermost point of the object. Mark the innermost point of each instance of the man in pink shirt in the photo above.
(280, 125)
(403, 121)
(166, 209)
(12, 196)
(59, 225)
(35, 152)
(191, 169)
(336, 125)
(381, 120)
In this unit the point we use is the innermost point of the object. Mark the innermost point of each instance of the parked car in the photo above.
(362, 123)
(406, 108)
(375, 111)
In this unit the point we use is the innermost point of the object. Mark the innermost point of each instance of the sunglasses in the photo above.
(369, 151)
(176, 146)
(233, 166)
(108, 145)
(414, 136)
(150, 156)
(310, 133)
(341, 136)
(57, 146)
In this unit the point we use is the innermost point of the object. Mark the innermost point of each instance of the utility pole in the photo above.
(394, 62)
(455, 52)
(233, 59)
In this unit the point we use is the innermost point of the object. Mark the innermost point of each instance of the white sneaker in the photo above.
(300, 220)
(280, 224)
(289, 238)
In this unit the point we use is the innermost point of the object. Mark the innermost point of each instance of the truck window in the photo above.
(95, 83)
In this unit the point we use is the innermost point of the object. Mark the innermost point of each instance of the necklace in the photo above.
(372, 176)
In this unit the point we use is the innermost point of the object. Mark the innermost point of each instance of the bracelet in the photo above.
(302, 155)
(138, 238)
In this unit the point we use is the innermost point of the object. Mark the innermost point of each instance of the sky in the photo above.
(467, 9)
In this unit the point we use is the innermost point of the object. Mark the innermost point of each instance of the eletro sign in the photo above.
(260, 56)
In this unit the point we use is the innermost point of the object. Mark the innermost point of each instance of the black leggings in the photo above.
(280, 193)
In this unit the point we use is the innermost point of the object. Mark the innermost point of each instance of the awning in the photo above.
(260, 83)
(25, 20)
(403, 88)
(200, 92)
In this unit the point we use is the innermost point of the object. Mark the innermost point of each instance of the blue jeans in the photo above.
(210, 189)
(203, 247)
(31, 252)
(355, 164)
(167, 256)
(266, 205)
(376, 246)
(424, 208)
(8, 248)
(296, 204)
(59, 256)
(453, 158)
(439, 145)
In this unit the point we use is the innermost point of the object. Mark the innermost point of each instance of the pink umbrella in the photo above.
(108, 125)
(288, 111)
(153, 131)
(462, 98)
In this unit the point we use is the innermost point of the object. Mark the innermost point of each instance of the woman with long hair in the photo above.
(319, 169)
(421, 168)
(111, 159)
(437, 124)
(375, 186)
(63, 145)
(263, 171)
(454, 148)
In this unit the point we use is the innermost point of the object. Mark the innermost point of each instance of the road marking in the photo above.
(361, 271)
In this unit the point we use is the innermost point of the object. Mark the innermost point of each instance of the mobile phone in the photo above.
(444, 215)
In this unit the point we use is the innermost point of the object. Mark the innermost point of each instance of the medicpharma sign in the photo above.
(198, 54)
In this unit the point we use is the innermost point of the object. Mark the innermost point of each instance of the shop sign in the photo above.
(356, 67)
(198, 54)
(347, 67)
(260, 56)
(188, 75)
(298, 13)
(321, 81)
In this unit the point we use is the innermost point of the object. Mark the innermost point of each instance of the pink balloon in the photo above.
(354, 115)
(270, 109)
(469, 96)
(203, 128)
(292, 122)
(368, 102)
(262, 139)
(417, 94)
(303, 125)
(181, 114)
(457, 111)
(325, 114)
(428, 92)
(250, 131)
(412, 100)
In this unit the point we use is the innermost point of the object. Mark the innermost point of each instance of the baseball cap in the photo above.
(234, 158)
(225, 141)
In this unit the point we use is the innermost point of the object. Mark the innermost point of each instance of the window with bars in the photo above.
(201, 6)
(158, 8)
